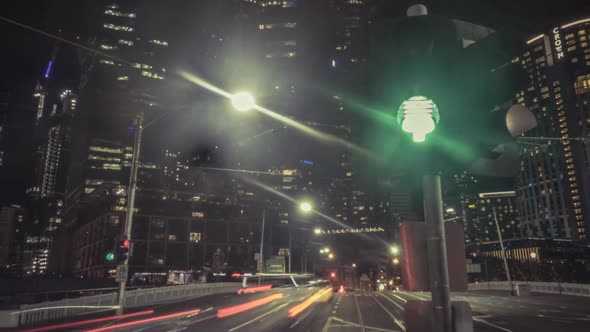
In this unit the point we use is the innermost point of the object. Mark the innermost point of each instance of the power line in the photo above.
(64, 40)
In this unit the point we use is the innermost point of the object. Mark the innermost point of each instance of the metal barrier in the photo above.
(537, 287)
(39, 312)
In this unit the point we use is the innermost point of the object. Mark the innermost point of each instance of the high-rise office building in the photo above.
(553, 191)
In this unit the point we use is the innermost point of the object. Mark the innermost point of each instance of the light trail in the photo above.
(236, 309)
(144, 321)
(295, 124)
(88, 321)
(317, 297)
(251, 290)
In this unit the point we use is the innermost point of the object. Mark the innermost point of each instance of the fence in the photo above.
(537, 287)
(39, 312)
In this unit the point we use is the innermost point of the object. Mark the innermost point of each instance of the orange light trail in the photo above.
(236, 309)
(144, 321)
(89, 321)
(296, 310)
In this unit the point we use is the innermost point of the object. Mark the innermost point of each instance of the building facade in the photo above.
(553, 184)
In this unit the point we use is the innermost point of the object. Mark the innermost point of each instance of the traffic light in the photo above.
(123, 250)
(110, 256)
(333, 275)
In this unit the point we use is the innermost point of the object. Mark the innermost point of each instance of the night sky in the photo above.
(25, 53)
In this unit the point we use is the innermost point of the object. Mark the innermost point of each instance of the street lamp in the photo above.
(330, 255)
(326, 250)
(306, 207)
(395, 261)
(395, 250)
(243, 101)
(317, 231)
(353, 264)
(418, 116)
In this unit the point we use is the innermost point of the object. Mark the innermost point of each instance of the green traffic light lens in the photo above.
(418, 116)
(110, 256)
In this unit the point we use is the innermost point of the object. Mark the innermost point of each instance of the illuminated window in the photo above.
(159, 42)
(196, 198)
(198, 214)
(152, 75)
(123, 78)
(106, 62)
(118, 13)
(117, 27)
(171, 237)
(125, 42)
(104, 149)
(195, 237)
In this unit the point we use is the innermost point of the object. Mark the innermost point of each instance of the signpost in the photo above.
(122, 271)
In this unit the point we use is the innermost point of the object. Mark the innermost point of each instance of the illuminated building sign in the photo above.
(558, 44)
(351, 230)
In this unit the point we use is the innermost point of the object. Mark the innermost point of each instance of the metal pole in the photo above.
(437, 254)
(130, 205)
(289, 249)
(503, 250)
(260, 260)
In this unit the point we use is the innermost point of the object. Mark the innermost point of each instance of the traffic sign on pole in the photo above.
(122, 271)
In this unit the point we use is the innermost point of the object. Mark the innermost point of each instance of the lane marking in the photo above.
(257, 318)
(327, 325)
(400, 298)
(412, 295)
(177, 329)
(301, 319)
(392, 301)
(490, 324)
(358, 311)
(397, 321)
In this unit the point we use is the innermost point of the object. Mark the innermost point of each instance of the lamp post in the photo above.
(500, 195)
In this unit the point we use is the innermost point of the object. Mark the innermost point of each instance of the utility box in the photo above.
(415, 273)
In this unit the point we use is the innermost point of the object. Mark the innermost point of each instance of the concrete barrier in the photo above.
(536, 287)
(36, 313)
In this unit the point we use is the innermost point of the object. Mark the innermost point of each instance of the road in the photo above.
(316, 309)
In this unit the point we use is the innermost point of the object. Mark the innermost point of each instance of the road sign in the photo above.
(122, 271)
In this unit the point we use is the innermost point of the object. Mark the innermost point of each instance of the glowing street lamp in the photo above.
(326, 250)
(418, 116)
(395, 250)
(330, 255)
(306, 207)
(395, 261)
(353, 264)
(317, 231)
(322, 251)
(243, 101)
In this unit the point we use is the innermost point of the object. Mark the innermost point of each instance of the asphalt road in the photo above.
(313, 309)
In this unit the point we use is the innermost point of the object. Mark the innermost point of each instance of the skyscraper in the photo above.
(553, 191)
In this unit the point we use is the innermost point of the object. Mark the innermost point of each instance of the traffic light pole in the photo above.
(130, 205)
(437, 254)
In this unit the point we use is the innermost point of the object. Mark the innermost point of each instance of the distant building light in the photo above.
(307, 162)
(333, 63)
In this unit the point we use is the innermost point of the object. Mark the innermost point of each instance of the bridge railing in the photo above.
(537, 287)
(35, 313)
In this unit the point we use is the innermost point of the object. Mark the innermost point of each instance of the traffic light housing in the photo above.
(123, 250)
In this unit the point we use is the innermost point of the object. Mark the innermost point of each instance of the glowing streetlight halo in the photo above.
(418, 116)
(306, 206)
(243, 101)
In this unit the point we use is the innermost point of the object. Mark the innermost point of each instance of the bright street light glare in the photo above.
(395, 261)
(395, 250)
(353, 264)
(330, 256)
(305, 207)
(317, 231)
(322, 251)
(243, 101)
(327, 249)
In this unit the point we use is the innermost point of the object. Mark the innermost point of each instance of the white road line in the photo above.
(358, 311)
(412, 295)
(301, 319)
(401, 298)
(257, 318)
(178, 329)
(392, 301)
(490, 324)
(397, 321)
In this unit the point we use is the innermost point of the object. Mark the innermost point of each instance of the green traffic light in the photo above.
(418, 116)
(110, 256)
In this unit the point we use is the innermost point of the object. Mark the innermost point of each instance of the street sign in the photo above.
(122, 271)
(256, 256)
